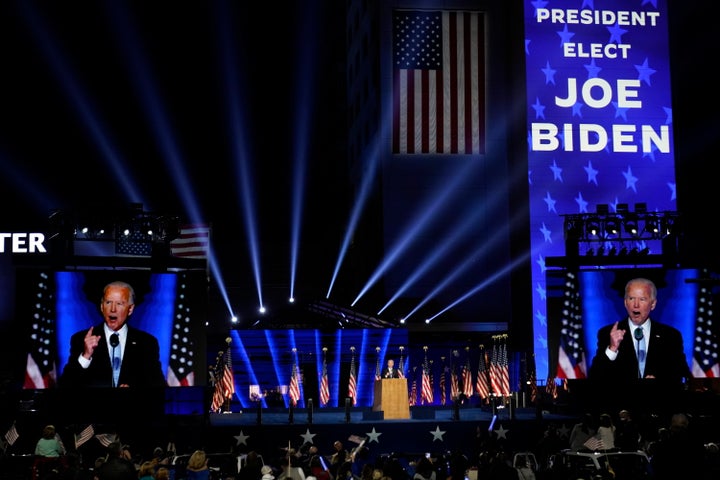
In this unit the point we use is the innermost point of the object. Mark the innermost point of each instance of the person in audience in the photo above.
(582, 432)
(147, 471)
(138, 352)
(49, 444)
(197, 466)
(679, 453)
(252, 469)
(162, 473)
(606, 432)
(267, 473)
(627, 433)
(116, 466)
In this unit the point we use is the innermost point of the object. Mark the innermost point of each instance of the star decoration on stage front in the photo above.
(437, 434)
(242, 438)
(373, 436)
(307, 436)
(501, 432)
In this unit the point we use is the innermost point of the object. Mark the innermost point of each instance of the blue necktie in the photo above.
(115, 342)
(639, 335)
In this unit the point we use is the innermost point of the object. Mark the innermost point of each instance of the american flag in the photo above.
(401, 365)
(182, 349)
(106, 439)
(294, 389)
(324, 384)
(228, 378)
(482, 384)
(12, 435)
(85, 435)
(532, 379)
(193, 242)
(454, 384)
(594, 443)
(551, 388)
(443, 392)
(438, 82)
(504, 371)
(426, 394)
(705, 347)
(40, 371)
(352, 381)
(571, 355)
(412, 401)
(377, 366)
(467, 379)
(494, 371)
(135, 244)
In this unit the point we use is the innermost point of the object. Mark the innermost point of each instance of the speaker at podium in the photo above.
(391, 398)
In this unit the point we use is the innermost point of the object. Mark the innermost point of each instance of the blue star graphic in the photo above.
(644, 71)
(668, 117)
(630, 180)
(541, 291)
(542, 341)
(591, 173)
(582, 204)
(550, 203)
(651, 153)
(541, 318)
(527, 44)
(565, 35)
(557, 171)
(620, 111)
(576, 109)
(541, 263)
(373, 436)
(242, 438)
(437, 434)
(616, 33)
(546, 233)
(592, 69)
(549, 73)
(529, 177)
(671, 186)
(651, 2)
(539, 109)
(538, 4)
(588, 4)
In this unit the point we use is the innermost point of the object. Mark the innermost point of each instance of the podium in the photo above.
(391, 397)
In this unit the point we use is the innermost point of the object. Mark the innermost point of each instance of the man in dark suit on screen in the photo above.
(638, 349)
(114, 354)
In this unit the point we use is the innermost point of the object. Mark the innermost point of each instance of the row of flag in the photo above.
(492, 378)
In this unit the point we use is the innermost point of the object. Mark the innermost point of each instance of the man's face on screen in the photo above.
(116, 307)
(639, 302)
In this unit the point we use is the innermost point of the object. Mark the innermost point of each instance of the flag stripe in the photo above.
(193, 242)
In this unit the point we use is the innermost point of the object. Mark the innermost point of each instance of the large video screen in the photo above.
(53, 305)
(580, 302)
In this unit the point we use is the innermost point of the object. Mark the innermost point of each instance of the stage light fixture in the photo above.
(612, 227)
(602, 208)
(593, 228)
(641, 207)
(631, 227)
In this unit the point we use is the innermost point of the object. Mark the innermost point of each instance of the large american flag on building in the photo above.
(193, 242)
(181, 371)
(41, 371)
(438, 82)
(571, 354)
(705, 345)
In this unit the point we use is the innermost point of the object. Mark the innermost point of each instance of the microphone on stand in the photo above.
(639, 336)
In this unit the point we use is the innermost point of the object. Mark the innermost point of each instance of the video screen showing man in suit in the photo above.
(639, 347)
(113, 353)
